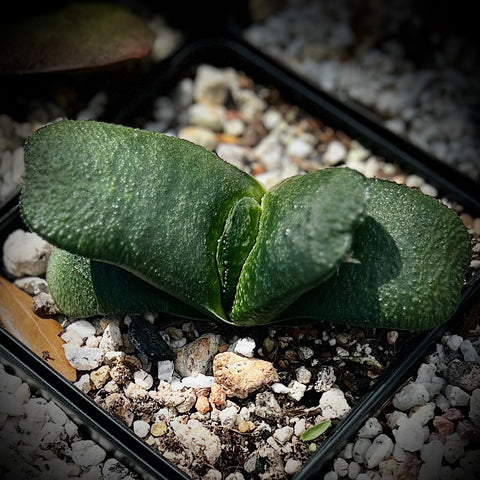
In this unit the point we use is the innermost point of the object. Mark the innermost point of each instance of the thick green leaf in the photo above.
(329, 245)
(314, 432)
(79, 35)
(82, 288)
(153, 204)
(235, 244)
(409, 261)
(306, 229)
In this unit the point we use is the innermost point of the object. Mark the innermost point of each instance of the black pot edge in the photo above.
(135, 453)
(232, 52)
(356, 122)
(115, 438)
(391, 381)
(225, 52)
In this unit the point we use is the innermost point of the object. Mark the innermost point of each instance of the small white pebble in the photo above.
(454, 342)
(228, 416)
(141, 428)
(353, 470)
(22, 393)
(245, 346)
(51, 432)
(429, 190)
(92, 341)
(371, 428)
(283, 435)
(299, 148)
(297, 390)
(83, 327)
(87, 453)
(25, 253)
(303, 375)
(55, 413)
(200, 381)
(143, 379)
(340, 467)
(235, 476)
(11, 405)
(299, 427)
(334, 404)
(292, 466)
(111, 338)
(333, 476)
(475, 264)
(335, 153)
(280, 388)
(72, 337)
(392, 337)
(83, 358)
(9, 383)
(414, 181)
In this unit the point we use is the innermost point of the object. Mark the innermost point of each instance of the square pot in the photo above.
(228, 53)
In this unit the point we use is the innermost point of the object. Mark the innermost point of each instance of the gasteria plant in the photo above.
(147, 222)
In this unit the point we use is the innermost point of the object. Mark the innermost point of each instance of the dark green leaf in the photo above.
(409, 260)
(152, 204)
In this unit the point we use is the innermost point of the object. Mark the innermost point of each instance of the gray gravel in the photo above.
(179, 407)
(421, 83)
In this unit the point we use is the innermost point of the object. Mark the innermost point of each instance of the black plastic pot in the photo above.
(426, 21)
(228, 53)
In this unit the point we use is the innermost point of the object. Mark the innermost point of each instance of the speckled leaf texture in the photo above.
(409, 259)
(162, 222)
(153, 204)
(306, 229)
(83, 287)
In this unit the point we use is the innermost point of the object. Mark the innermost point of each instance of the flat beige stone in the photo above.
(240, 376)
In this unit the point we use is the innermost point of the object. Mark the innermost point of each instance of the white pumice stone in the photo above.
(87, 453)
(141, 428)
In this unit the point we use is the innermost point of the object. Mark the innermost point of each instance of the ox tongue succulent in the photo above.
(176, 227)
(152, 204)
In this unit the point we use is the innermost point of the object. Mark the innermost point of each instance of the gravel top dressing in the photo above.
(230, 403)
(415, 70)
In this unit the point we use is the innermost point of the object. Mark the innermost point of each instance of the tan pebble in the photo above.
(246, 426)
(202, 391)
(158, 429)
(202, 405)
(399, 179)
(467, 220)
(257, 169)
(133, 361)
(120, 406)
(111, 387)
(218, 395)
(100, 376)
(240, 376)
(120, 373)
(476, 226)
(134, 391)
(227, 138)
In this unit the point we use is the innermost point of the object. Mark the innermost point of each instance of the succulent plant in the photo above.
(147, 222)
(72, 37)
